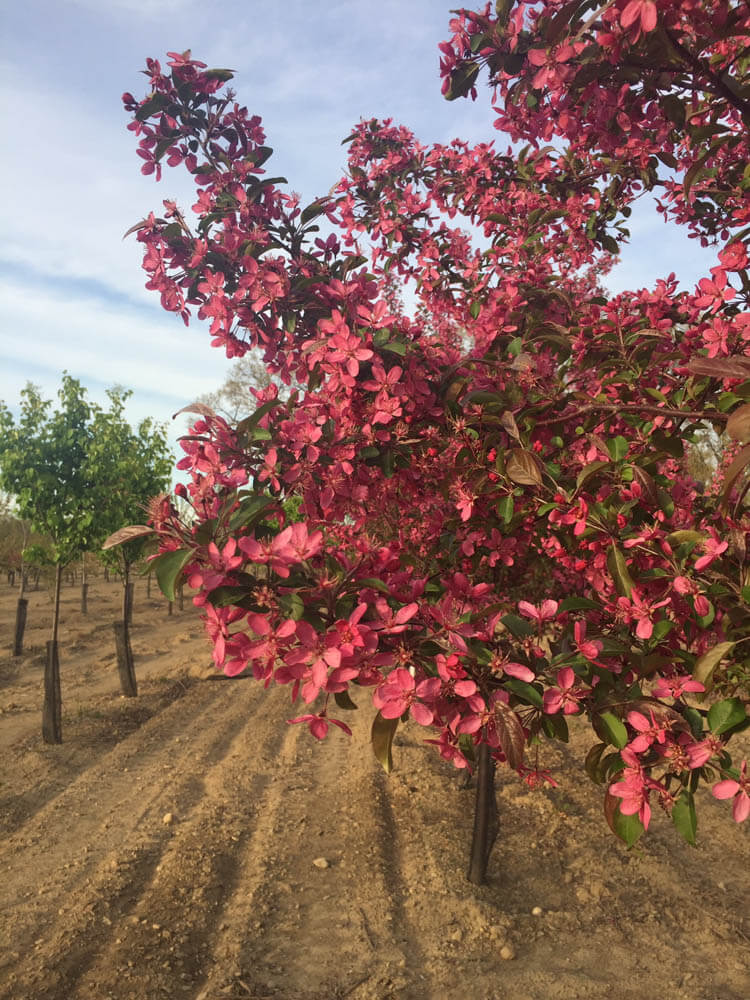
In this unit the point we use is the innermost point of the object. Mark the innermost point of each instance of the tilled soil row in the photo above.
(117, 808)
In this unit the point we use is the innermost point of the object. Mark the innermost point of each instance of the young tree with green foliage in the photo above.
(128, 468)
(44, 465)
(77, 472)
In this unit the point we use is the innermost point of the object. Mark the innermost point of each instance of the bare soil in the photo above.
(189, 844)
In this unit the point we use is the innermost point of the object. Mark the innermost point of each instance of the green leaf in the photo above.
(672, 445)
(226, 596)
(505, 508)
(628, 828)
(383, 731)
(684, 816)
(219, 74)
(694, 720)
(705, 620)
(685, 535)
(706, 664)
(374, 583)
(589, 470)
(246, 425)
(618, 567)
(313, 210)
(725, 715)
(662, 628)
(517, 626)
(292, 605)
(168, 568)
(524, 690)
(610, 729)
(578, 604)
(484, 397)
(555, 727)
(617, 448)
(250, 511)
(343, 700)
(462, 79)
(395, 347)
(156, 103)
(593, 759)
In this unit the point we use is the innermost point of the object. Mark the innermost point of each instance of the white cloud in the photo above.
(142, 8)
(97, 340)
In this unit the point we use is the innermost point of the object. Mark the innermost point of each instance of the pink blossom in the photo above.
(588, 648)
(401, 693)
(547, 611)
(675, 687)
(318, 724)
(713, 549)
(740, 790)
(536, 777)
(448, 748)
(634, 608)
(649, 730)
(566, 696)
(633, 789)
(642, 11)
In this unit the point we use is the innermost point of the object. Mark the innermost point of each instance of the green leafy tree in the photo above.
(77, 473)
(44, 465)
(128, 467)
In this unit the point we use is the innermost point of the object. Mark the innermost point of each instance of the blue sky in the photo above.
(72, 290)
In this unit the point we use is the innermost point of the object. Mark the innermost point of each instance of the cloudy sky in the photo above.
(71, 289)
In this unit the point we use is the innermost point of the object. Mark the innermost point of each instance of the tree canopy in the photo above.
(500, 528)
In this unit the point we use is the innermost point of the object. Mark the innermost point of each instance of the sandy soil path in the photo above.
(189, 843)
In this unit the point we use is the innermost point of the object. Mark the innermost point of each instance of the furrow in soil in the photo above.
(127, 810)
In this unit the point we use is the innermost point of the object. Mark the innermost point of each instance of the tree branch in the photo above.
(661, 411)
(715, 83)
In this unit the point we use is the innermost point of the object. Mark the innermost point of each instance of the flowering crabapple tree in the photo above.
(498, 528)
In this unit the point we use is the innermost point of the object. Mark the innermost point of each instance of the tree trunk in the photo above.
(485, 817)
(84, 588)
(180, 600)
(148, 585)
(24, 578)
(127, 609)
(21, 609)
(52, 711)
(170, 608)
(125, 664)
(56, 613)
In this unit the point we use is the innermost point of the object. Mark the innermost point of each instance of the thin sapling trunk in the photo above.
(485, 817)
(52, 711)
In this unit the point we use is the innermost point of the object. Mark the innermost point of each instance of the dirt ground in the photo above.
(189, 844)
